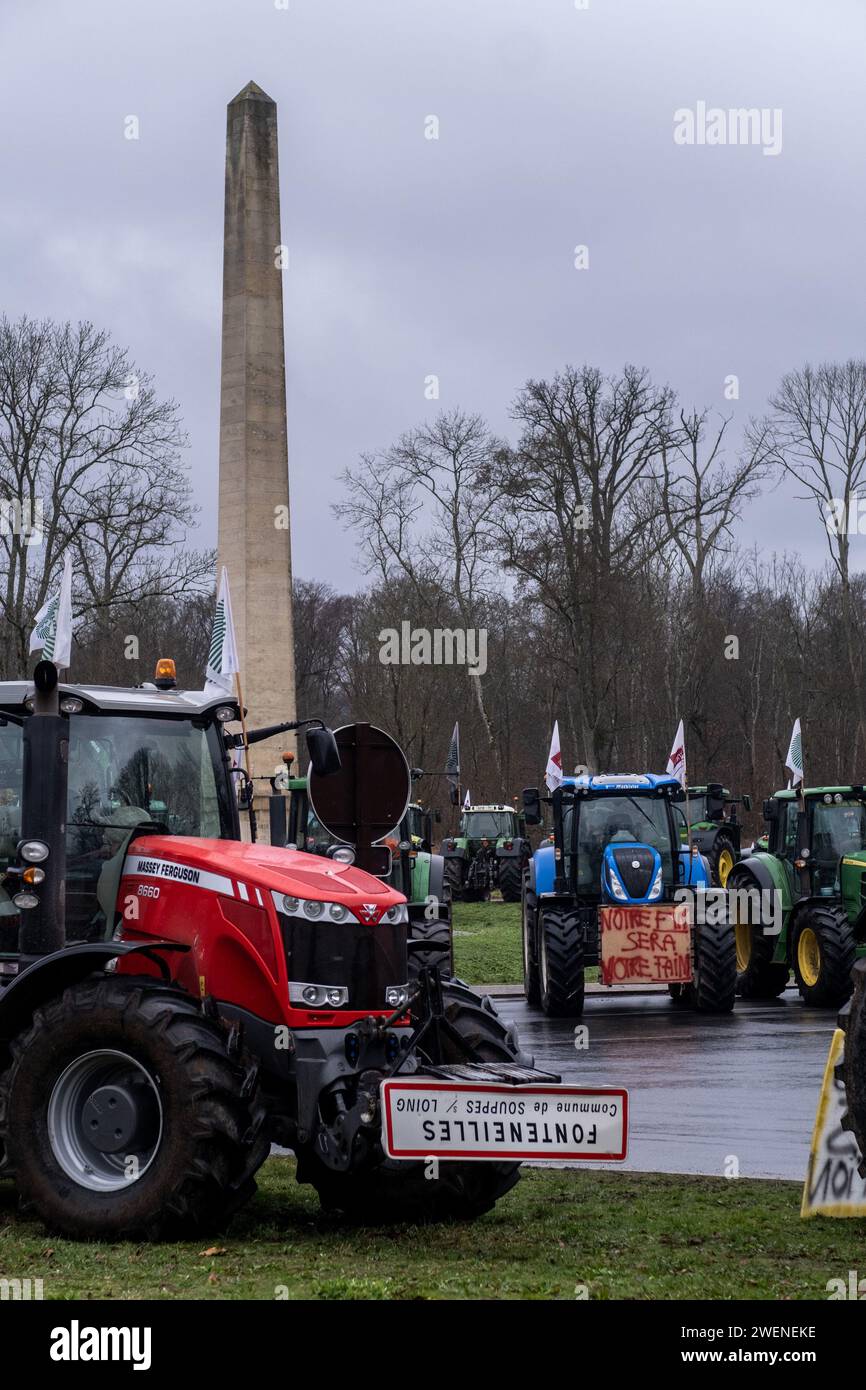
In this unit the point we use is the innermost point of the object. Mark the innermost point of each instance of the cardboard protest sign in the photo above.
(650, 945)
(833, 1185)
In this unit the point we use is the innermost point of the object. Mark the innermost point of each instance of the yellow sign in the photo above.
(833, 1186)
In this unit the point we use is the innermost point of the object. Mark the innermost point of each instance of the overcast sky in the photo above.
(411, 256)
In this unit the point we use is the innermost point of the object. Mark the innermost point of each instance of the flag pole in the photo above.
(688, 812)
(246, 746)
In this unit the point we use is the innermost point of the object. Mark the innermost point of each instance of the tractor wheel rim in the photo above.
(726, 863)
(809, 956)
(743, 940)
(105, 1120)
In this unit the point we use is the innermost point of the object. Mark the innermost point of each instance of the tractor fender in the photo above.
(543, 869)
(530, 882)
(436, 878)
(695, 870)
(459, 851)
(49, 976)
(768, 873)
(519, 847)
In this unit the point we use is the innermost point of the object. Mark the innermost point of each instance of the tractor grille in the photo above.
(365, 959)
(637, 880)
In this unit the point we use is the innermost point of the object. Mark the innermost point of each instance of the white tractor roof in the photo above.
(135, 699)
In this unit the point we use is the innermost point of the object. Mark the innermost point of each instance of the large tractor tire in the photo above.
(528, 919)
(721, 859)
(713, 989)
(823, 951)
(125, 1117)
(757, 976)
(560, 963)
(438, 933)
(851, 1069)
(510, 880)
(454, 877)
(396, 1190)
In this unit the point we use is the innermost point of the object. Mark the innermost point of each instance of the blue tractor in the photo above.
(615, 858)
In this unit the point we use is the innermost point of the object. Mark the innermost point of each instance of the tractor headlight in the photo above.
(344, 854)
(291, 905)
(33, 851)
(337, 912)
(395, 995)
(319, 996)
(617, 888)
(655, 891)
(312, 908)
(71, 705)
(25, 900)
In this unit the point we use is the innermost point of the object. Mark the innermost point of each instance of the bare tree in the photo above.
(816, 435)
(425, 507)
(90, 458)
(576, 520)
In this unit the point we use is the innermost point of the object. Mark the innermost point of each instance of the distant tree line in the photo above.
(598, 551)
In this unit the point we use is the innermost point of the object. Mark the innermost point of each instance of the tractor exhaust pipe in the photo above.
(45, 776)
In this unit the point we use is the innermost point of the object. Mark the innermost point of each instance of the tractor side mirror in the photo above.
(323, 751)
(532, 806)
(767, 809)
(747, 802)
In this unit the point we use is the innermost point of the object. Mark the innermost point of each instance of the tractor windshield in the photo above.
(605, 820)
(124, 770)
(488, 825)
(838, 829)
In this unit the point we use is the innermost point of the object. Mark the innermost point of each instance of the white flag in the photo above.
(794, 759)
(53, 630)
(677, 760)
(222, 661)
(553, 772)
(466, 802)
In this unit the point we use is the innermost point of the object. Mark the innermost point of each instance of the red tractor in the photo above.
(173, 999)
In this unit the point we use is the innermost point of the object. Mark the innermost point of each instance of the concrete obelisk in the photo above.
(254, 537)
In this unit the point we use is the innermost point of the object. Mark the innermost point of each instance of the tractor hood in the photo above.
(244, 867)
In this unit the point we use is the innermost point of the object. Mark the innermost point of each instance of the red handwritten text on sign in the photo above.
(645, 944)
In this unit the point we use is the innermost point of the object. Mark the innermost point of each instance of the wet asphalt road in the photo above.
(700, 1087)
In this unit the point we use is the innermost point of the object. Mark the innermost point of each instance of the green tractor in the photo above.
(815, 865)
(490, 850)
(715, 827)
(414, 871)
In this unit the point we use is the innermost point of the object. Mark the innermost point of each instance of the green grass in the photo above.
(487, 944)
(622, 1235)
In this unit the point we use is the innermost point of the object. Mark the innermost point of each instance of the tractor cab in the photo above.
(831, 839)
(596, 820)
(140, 757)
(490, 823)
